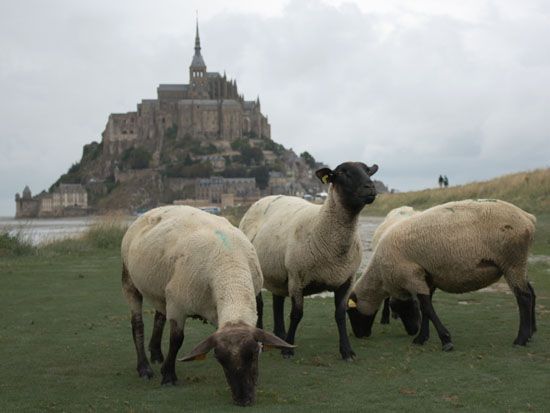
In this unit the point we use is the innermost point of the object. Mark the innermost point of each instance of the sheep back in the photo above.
(285, 232)
(462, 246)
(193, 258)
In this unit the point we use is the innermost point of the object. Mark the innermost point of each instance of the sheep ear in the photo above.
(271, 340)
(325, 175)
(371, 170)
(200, 351)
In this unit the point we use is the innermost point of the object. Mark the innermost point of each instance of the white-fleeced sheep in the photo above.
(189, 263)
(457, 247)
(305, 248)
(395, 215)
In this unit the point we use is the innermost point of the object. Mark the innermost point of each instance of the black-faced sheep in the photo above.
(305, 248)
(395, 215)
(457, 247)
(189, 263)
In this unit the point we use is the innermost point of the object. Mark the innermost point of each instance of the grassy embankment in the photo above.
(66, 345)
(528, 190)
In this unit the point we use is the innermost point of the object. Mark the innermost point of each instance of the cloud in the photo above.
(421, 88)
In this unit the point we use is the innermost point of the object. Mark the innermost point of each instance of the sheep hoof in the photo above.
(420, 341)
(287, 353)
(520, 342)
(348, 355)
(145, 371)
(447, 346)
(169, 379)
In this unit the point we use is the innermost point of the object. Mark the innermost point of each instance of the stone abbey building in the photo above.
(208, 108)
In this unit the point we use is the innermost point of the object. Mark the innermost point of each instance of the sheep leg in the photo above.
(296, 314)
(156, 338)
(135, 300)
(340, 305)
(385, 319)
(533, 318)
(428, 311)
(260, 310)
(168, 369)
(424, 333)
(279, 316)
(524, 300)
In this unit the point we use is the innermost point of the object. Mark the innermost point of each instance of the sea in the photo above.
(39, 231)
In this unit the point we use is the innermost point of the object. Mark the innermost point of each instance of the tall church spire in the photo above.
(197, 38)
(197, 61)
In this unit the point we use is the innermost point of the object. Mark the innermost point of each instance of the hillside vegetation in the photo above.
(528, 190)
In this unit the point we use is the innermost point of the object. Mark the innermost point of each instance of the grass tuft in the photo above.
(14, 244)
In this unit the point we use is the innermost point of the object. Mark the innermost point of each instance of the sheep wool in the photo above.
(194, 263)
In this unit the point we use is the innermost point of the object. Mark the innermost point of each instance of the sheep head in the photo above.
(352, 183)
(237, 347)
(361, 324)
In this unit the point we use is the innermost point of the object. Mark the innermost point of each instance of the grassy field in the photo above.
(66, 345)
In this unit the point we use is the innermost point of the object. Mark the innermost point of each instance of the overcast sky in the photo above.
(421, 88)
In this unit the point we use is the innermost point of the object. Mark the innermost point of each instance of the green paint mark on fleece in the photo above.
(223, 238)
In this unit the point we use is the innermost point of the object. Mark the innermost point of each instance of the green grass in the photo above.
(66, 345)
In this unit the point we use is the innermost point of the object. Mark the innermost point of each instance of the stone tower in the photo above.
(198, 81)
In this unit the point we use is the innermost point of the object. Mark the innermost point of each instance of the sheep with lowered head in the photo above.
(395, 215)
(457, 247)
(189, 263)
(305, 248)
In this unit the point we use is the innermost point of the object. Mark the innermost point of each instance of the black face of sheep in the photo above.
(361, 324)
(237, 348)
(352, 182)
(409, 313)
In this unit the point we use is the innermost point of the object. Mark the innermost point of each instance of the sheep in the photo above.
(305, 248)
(395, 215)
(189, 263)
(457, 247)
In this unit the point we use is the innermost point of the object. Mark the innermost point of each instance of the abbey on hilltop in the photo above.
(208, 108)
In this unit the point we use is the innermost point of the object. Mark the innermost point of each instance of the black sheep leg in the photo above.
(156, 338)
(296, 314)
(428, 311)
(533, 317)
(424, 333)
(524, 300)
(260, 310)
(340, 316)
(168, 369)
(385, 319)
(279, 316)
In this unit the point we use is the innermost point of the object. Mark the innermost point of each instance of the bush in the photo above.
(250, 155)
(310, 160)
(171, 132)
(261, 174)
(136, 158)
(14, 245)
(196, 170)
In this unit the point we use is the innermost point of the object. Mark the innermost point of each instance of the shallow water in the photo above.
(44, 230)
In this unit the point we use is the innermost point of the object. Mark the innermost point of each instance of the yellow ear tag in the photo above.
(325, 179)
(352, 304)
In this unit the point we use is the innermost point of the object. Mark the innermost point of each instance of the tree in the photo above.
(261, 175)
(136, 158)
(310, 160)
(250, 155)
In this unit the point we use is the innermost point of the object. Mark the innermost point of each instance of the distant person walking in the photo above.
(440, 181)
(446, 181)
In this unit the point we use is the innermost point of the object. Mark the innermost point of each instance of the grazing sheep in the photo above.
(189, 263)
(305, 249)
(395, 215)
(457, 247)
